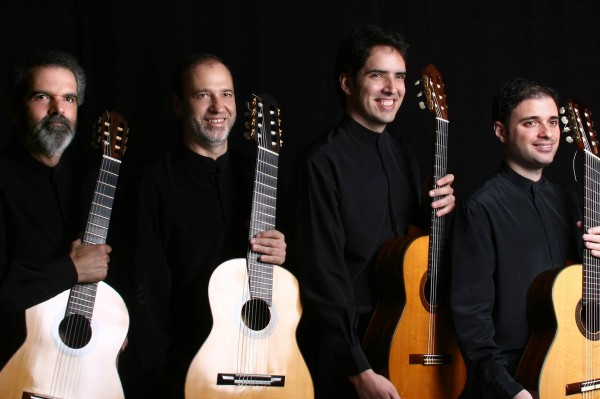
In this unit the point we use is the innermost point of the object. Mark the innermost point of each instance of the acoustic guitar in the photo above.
(410, 338)
(251, 351)
(73, 340)
(562, 357)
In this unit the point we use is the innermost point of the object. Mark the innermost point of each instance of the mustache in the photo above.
(50, 119)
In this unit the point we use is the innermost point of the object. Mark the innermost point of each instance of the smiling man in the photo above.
(193, 208)
(355, 188)
(515, 226)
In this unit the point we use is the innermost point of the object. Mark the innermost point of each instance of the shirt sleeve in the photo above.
(473, 297)
(318, 240)
(24, 284)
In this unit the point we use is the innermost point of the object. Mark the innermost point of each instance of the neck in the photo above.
(50, 161)
(528, 173)
(213, 152)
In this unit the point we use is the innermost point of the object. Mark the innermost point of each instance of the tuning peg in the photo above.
(566, 129)
(569, 139)
(421, 105)
(564, 120)
(418, 82)
(420, 94)
(561, 110)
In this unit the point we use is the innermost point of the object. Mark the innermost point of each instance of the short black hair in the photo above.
(17, 82)
(187, 62)
(355, 48)
(513, 92)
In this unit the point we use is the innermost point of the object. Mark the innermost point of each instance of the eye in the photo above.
(39, 96)
(401, 76)
(71, 99)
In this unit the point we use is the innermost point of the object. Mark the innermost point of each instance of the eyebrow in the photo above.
(536, 117)
(385, 71)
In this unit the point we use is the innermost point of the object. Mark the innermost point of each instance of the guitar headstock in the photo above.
(577, 120)
(433, 88)
(264, 125)
(111, 134)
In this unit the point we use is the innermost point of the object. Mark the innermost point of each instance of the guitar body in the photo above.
(558, 353)
(45, 367)
(406, 335)
(232, 347)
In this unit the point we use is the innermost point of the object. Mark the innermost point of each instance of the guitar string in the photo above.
(254, 354)
(437, 223)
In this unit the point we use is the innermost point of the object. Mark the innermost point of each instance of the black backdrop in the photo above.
(287, 48)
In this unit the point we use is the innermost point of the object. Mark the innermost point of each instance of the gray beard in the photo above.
(49, 140)
(209, 138)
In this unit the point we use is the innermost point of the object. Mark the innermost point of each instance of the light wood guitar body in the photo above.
(47, 368)
(232, 347)
(559, 360)
(419, 364)
(414, 368)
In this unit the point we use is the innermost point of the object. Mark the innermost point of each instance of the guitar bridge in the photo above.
(430, 360)
(29, 395)
(251, 379)
(582, 387)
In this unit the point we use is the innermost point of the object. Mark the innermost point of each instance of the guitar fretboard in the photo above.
(591, 264)
(264, 202)
(82, 296)
(440, 167)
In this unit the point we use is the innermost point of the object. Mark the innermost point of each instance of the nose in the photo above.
(56, 106)
(216, 104)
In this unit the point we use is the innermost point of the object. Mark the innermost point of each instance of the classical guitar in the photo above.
(73, 340)
(410, 338)
(251, 351)
(562, 358)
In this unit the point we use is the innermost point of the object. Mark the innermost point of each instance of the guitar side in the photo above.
(272, 350)
(32, 368)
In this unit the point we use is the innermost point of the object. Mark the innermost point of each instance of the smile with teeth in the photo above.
(220, 120)
(386, 103)
(544, 147)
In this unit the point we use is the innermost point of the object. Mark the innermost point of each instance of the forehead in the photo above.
(542, 107)
(53, 79)
(385, 58)
(208, 76)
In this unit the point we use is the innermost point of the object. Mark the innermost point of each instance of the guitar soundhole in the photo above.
(588, 319)
(256, 314)
(75, 331)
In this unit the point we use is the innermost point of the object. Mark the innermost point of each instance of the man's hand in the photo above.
(444, 189)
(91, 261)
(592, 240)
(525, 394)
(370, 385)
(271, 245)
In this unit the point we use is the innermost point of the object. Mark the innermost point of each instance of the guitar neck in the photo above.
(82, 297)
(264, 202)
(440, 167)
(591, 269)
